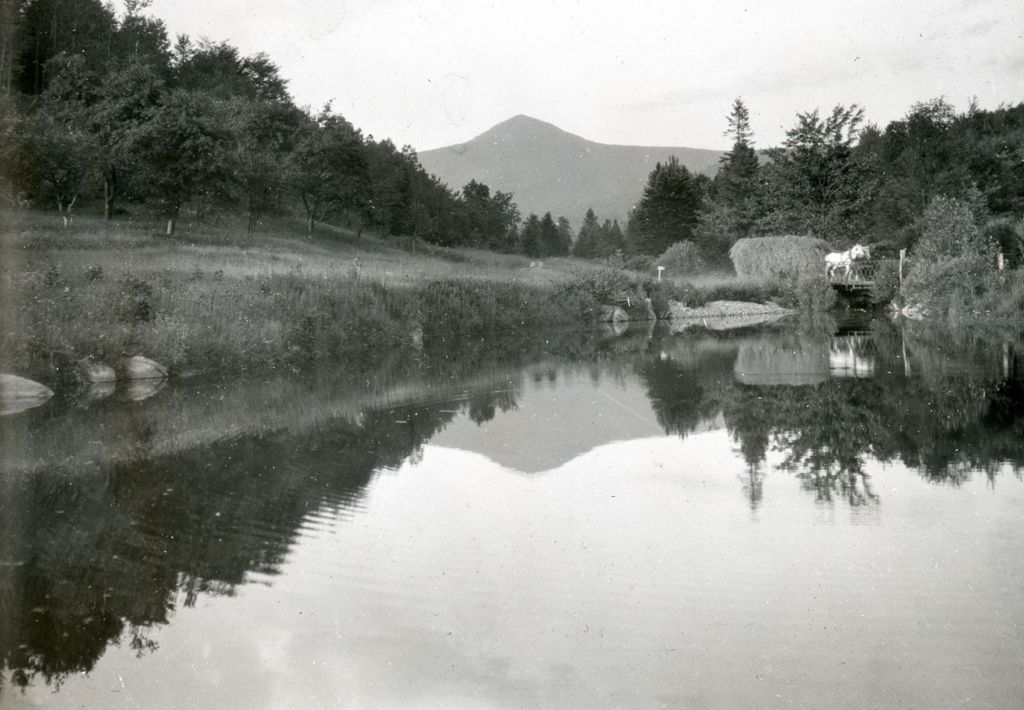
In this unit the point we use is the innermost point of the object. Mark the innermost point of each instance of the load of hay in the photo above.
(788, 258)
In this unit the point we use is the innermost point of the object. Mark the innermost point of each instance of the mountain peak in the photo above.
(523, 129)
(549, 169)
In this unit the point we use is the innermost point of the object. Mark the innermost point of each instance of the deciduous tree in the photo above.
(328, 169)
(182, 151)
(814, 183)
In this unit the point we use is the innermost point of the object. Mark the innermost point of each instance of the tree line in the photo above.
(845, 181)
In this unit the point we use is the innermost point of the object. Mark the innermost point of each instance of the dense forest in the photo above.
(100, 106)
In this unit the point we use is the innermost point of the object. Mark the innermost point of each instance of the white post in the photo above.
(903, 256)
(660, 269)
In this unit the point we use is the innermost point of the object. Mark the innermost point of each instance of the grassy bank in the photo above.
(214, 299)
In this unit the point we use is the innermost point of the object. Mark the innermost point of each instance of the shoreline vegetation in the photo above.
(217, 299)
(211, 300)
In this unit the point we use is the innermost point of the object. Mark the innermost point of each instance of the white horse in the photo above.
(844, 259)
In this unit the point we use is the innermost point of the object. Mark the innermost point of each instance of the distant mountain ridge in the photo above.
(551, 170)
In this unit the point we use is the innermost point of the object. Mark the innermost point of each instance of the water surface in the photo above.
(763, 519)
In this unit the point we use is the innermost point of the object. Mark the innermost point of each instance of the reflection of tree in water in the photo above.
(823, 432)
(945, 411)
(99, 557)
(944, 427)
(684, 385)
(484, 405)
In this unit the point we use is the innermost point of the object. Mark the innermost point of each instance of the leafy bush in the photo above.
(953, 268)
(887, 282)
(682, 258)
(811, 294)
(589, 290)
(660, 294)
(787, 258)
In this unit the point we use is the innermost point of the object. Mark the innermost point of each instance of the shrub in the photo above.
(787, 258)
(814, 294)
(660, 294)
(887, 282)
(953, 269)
(682, 258)
(948, 231)
(589, 290)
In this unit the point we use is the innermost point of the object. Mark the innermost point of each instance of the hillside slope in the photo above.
(548, 169)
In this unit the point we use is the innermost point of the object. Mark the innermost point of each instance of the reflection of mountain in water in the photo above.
(193, 491)
(559, 415)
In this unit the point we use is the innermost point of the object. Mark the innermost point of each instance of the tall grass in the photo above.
(203, 321)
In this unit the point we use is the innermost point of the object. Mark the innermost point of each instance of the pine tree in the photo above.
(551, 244)
(667, 212)
(531, 240)
(731, 208)
(564, 236)
(587, 239)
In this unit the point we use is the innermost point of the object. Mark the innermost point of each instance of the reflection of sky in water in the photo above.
(630, 576)
(406, 560)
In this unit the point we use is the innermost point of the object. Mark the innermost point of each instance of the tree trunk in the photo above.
(65, 210)
(253, 217)
(109, 186)
(172, 220)
(312, 223)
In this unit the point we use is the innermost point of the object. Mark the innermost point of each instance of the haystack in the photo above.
(787, 257)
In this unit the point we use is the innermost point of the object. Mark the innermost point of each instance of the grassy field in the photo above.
(213, 298)
(34, 241)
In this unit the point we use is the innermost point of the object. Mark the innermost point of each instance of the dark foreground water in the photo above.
(753, 520)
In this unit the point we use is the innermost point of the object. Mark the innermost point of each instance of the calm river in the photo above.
(763, 519)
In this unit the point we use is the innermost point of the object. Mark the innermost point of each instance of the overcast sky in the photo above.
(432, 73)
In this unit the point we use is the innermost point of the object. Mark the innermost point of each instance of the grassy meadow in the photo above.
(213, 298)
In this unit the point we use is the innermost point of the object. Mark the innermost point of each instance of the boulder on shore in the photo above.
(18, 394)
(142, 368)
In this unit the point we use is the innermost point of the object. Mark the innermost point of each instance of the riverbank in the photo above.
(214, 299)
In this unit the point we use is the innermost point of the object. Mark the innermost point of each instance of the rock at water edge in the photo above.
(142, 368)
(18, 394)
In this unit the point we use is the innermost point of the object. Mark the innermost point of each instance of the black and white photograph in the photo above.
(550, 355)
